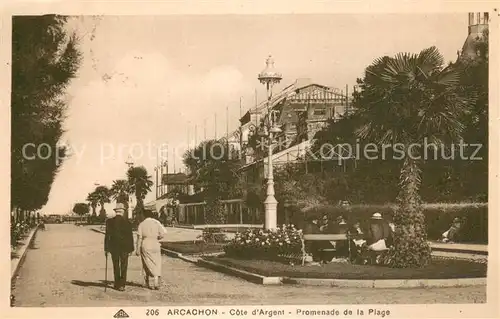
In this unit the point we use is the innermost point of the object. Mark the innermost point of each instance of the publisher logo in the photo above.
(121, 314)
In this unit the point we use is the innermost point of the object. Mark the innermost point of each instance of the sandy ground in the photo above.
(66, 267)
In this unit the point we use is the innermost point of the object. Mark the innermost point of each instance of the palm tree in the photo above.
(103, 194)
(140, 184)
(406, 100)
(120, 191)
(93, 201)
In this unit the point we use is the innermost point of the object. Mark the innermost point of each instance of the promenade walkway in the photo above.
(66, 267)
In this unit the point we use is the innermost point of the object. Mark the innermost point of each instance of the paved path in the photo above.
(66, 268)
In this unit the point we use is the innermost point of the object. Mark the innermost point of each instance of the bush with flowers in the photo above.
(284, 242)
(17, 230)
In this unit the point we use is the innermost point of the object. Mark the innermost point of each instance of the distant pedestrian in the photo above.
(119, 242)
(149, 233)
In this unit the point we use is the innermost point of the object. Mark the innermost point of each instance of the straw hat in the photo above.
(377, 216)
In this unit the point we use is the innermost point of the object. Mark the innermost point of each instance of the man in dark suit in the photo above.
(119, 242)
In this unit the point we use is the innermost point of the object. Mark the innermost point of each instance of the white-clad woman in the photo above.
(149, 234)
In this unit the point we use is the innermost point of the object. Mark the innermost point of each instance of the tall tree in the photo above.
(93, 201)
(405, 100)
(140, 184)
(120, 191)
(103, 195)
(44, 60)
(81, 209)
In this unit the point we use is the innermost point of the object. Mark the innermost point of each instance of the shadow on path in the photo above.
(102, 283)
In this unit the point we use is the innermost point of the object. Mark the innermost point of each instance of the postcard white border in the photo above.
(490, 309)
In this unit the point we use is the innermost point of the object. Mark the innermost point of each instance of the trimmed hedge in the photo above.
(438, 218)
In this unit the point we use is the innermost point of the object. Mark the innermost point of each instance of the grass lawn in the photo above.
(439, 269)
(190, 247)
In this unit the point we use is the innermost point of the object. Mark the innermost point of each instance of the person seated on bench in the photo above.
(379, 235)
(453, 233)
(325, 224)
(356, 235)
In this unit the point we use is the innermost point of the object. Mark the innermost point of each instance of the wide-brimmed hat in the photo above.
(119, 206)
(456, 220)
(377, 216)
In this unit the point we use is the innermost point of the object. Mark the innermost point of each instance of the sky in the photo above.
(145, 81)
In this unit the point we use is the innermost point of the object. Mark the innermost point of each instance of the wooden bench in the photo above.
(325, 237)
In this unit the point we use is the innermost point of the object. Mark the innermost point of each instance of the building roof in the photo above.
(293, 92)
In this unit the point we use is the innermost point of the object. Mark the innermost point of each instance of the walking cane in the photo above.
(106, 254)
(106, 274)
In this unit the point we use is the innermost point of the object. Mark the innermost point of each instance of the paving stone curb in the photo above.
(17, 262)
(258, 279)
(389, 283)
(345, 283)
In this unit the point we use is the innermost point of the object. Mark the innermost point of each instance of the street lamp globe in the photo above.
(269, 75)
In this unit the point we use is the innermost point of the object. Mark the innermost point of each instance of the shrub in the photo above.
(438, 217)
(284, 242)
(215, 212)
(17, 230)
(212, 235)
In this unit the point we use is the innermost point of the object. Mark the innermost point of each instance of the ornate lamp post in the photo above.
(130, 164)
(269, 76)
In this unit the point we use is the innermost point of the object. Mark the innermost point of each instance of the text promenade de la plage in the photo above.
(274, 312)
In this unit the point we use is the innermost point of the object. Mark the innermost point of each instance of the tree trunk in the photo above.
(411, 248)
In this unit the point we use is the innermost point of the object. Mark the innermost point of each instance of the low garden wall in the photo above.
(438, 217)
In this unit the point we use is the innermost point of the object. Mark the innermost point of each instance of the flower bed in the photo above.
(438, 269)
(284, 242)
(17, 231)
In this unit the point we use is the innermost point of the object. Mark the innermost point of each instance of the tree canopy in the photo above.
(44, 60)
(140, 184)
(213, 165)
(81, 209)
